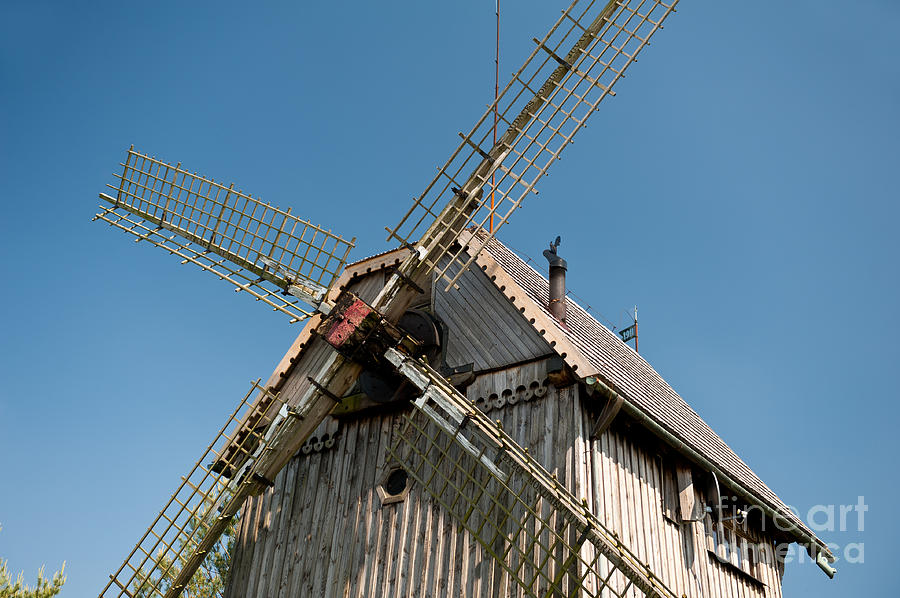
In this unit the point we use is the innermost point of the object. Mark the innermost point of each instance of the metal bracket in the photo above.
(475, 147)
(409, 281)
(323, 390)
(562, 61)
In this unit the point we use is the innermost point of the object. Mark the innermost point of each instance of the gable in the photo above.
(482, 326)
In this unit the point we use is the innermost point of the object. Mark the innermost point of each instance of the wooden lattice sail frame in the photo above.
(272, 255)
(570, 71)
(202, 507)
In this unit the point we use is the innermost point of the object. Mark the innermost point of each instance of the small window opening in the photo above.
(396, 482)
(394, 486)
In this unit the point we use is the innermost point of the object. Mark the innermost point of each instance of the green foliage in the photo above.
(209, 580)
(45, 588)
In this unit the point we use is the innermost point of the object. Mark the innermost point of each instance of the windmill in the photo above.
(548, 541)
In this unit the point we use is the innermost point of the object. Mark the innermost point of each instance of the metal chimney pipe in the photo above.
(558, 267)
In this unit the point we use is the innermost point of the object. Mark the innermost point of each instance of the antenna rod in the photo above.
(496, 95)
(635, 331)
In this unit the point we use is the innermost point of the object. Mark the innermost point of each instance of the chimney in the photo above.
(558, 268)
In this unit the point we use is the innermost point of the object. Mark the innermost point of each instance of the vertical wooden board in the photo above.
(685, 487)
(620, 513)
(382, 525)
(698, 539)
(624, 502)
(667, 551)
(302, 562)
(325, 524)
(370, 500)
(523, 424)
(344, 498)
(353, 524)
(667, 547)
(640, 544)
(606, 506)
(674, 561)
(239, 550)
(453, 558)
(468, 572)
(427, 544)
(710, 587)
(243, 550)
(436, 556)
(584, 489)
(682, 541)
(372, 516)
(599, 485)
(773, 574)
(274, 517)
(353, 562)
(421, 544)
(283, 531)
(549, 423)
(259, 541)
(253, 554)
(406, 532)
(712, 572)
(292, 543)
(644, 509)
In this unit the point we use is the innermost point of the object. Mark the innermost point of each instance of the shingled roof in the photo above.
(634, 378)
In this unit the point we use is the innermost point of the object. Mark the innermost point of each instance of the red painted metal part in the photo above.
(350, 320)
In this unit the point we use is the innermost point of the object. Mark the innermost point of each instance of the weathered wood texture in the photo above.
(628, 497)
(322, 531)
(483, 326)
(340, 540)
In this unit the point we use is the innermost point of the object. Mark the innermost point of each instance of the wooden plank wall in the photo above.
(483, 326)
(321, 530)
(628, 483)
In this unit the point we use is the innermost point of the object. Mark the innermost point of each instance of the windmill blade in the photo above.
(548, 542)
(272, 255)
(203, 506)
(549, 99)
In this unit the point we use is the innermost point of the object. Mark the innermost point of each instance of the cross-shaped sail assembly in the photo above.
(549, 543)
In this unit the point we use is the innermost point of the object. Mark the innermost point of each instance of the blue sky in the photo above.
(740, 190)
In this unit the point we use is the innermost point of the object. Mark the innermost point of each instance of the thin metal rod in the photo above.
(496, 97)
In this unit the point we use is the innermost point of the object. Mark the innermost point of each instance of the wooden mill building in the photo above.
(342, 520)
